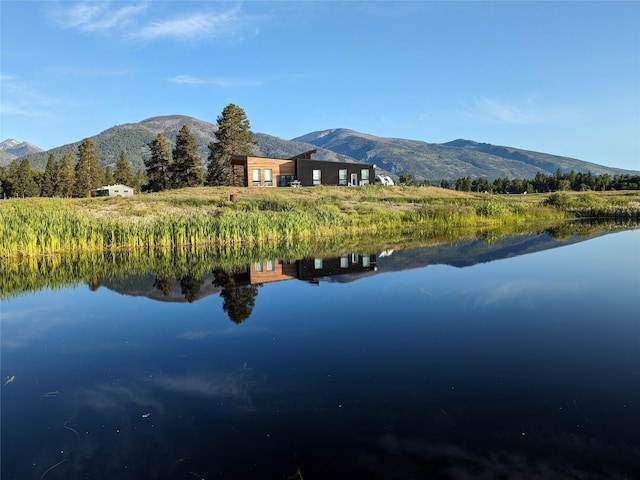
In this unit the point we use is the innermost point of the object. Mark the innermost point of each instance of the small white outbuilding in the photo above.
(112, 191)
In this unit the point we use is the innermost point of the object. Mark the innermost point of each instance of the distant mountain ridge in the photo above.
(394, 156)
(11, 149)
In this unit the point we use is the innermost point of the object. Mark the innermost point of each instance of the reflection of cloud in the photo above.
(522, 456)
(21, 327)
(523, 290)
(232, 385)
(109, 398)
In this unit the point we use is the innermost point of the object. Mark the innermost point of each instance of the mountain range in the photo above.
(393, 156)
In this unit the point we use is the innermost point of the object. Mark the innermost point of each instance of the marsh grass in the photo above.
(197, 217)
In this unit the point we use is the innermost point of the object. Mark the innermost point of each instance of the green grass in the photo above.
(197, 217)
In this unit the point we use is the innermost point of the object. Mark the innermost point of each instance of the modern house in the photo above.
(112, 191)
(301, 170)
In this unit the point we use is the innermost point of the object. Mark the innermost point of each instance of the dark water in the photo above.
(519, 359)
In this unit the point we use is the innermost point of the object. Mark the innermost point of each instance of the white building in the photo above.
(112, 191)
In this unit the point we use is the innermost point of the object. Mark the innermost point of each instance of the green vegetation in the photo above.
(203, 216)
(190, 265)
(234, 137)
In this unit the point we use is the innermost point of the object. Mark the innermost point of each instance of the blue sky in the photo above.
(554, 77)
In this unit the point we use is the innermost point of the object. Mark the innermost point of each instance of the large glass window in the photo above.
(364, 176)
(317, 177)
(285, 180)
(342, 176)
(268, 177)
(255, 176)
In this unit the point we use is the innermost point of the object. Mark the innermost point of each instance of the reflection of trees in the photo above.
(238, 300)
(164, 284)
(190, 286)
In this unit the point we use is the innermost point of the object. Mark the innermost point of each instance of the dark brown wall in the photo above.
(304, 171)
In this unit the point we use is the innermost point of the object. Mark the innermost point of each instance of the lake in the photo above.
(515, 357)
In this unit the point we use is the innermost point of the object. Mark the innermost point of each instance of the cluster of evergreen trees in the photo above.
(182, 166)
(166, 167)
(541, 183)
(67, 177)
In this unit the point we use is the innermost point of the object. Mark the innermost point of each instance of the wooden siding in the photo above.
(278, 167)
(280, 272)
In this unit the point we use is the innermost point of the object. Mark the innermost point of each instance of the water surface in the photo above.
(513, 359)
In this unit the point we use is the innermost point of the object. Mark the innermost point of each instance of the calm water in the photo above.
(519, 359)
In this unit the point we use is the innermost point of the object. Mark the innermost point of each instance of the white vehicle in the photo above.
(384, 179)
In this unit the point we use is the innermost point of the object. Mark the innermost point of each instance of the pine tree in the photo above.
(25, 185)
(50, 178)
(122, 173)
(234, 137)
(89, 175)
(159, 164)
(187, 163)
(66, 176)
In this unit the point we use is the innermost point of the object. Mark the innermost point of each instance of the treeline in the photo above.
(67, 176)
(541, 183)
(165, 168)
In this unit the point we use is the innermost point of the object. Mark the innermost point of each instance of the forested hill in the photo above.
(425, 161)
(456, 159)
(133, 138)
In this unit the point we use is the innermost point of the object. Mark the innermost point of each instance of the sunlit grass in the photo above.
(206, 216)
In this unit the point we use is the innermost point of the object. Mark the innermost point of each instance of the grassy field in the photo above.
(206, 216)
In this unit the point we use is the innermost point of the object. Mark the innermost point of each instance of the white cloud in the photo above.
(527, 111)
(220, 82)
(190, 27)
(98, 16)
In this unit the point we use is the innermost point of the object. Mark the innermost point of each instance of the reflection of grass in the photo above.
(33, 273)
(204, 216)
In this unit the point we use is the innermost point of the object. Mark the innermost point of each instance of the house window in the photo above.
(268, 177)
(342, 176)
(284, 180)
(364, 175)
(317, 263)
(317, 177)
(344, 261)
(366, 261)
(271, 266)
(255, 175)
(258, 266)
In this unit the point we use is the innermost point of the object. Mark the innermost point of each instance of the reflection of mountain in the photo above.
(149, 286)
(239, 288)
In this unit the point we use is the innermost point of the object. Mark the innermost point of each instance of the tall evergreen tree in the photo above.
(234, 137)
(159, 164)
(123, 173)
(25, 185)
(66, 176)
(89, 175)
(50, 177)
(187, 163)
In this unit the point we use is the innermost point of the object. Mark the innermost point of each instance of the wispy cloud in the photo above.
(98, 16)
(23, 99)
(527, 111)
(192, 26)
(220, 82)
(141, 21)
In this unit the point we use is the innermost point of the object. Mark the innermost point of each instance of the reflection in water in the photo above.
(521, 368)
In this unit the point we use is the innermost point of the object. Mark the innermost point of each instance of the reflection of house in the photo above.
(307, 269)
(301, 170)
(112, 191)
